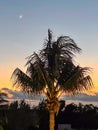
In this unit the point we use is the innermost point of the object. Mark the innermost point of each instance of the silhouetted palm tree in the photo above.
(2, 95)
(52, 72)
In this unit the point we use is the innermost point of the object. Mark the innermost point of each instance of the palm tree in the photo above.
(53, 72)
(2, 95)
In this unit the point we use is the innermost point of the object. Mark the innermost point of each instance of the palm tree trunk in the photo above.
(52, 120)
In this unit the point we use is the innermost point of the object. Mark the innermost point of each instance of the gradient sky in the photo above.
(24, 25)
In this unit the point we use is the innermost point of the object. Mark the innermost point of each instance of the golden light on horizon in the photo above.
(6, 72)
(5, 76)
(6, 82)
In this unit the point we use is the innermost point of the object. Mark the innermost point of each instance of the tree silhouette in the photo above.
(53, 72)
(2, 98)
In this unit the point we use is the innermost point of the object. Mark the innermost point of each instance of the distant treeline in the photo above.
(19, 116)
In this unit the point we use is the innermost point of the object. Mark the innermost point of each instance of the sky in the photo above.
(24, 25)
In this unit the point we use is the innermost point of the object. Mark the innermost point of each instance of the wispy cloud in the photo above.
(80, 97)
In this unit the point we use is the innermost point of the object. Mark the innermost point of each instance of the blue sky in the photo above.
(24, 25)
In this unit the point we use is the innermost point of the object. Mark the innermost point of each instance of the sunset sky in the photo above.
(24, 25)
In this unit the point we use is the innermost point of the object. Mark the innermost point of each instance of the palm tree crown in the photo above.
(53, 69)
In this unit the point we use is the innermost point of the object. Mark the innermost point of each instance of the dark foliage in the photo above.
(37, 118)
(79, 116)
(19, 105)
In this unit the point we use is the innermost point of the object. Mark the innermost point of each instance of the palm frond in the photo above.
(67, 46)
(49, 35)
(77, 80)
(3, 94)
(21, 80)
(37, 65)
(3, 100)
